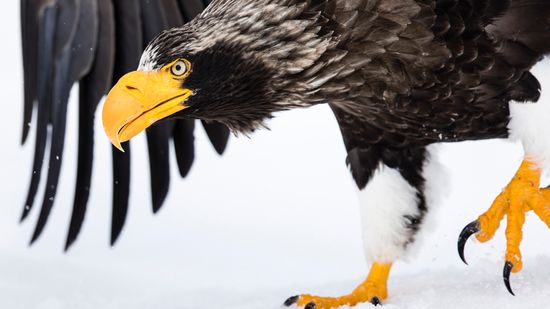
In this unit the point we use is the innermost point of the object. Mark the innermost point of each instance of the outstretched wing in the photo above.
(94, 43)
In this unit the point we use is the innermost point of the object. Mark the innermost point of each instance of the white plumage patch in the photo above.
(384, 202)
(436, 189)
(530, 124)
(146, 63)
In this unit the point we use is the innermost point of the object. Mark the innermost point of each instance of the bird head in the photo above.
(215, 83)
(232, 64)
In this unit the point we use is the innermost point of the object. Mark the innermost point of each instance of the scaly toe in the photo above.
(521, 195)
(308, 301)
(373, 289)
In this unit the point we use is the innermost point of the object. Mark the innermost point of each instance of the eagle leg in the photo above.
(521, 195)
(373, 290)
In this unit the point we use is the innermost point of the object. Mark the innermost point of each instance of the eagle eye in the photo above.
(180, 68)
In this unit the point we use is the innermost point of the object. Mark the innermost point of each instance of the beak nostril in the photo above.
(133, 90)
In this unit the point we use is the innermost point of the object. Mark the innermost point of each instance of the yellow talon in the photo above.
(373, 289)
(521, 195)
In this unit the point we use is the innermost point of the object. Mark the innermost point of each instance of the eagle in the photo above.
(399, 76)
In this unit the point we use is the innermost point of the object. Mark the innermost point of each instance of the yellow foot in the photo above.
(521, 195)
(373, 289)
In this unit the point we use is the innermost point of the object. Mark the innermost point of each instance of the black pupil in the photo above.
(178, 68)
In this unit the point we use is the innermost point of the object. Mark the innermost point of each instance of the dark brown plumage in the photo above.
(398, 74)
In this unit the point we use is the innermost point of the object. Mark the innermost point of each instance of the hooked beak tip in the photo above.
(116, 142)
(119, 147)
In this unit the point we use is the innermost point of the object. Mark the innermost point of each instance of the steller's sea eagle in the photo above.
(399, 75)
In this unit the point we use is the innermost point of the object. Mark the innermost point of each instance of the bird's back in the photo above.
(419, 72)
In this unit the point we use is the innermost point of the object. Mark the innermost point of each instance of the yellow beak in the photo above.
(140, 99)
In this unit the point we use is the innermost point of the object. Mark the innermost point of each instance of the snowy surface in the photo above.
(276, 216)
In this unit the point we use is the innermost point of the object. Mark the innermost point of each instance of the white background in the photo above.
(276, 216)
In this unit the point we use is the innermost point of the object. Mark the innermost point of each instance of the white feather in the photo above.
(146, 63)
(385, 202)
(530, 122)
(436, 189)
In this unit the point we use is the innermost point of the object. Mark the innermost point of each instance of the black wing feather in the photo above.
(29, 31)
(172, 13)
(74, 63)
(121, 190)
(191, 8)
(184, 145)
(158, 138)
(218, 135)
(128, 47)
(46, 60)
(92, 88)
(57, 24)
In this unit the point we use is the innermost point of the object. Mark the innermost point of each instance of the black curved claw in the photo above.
(506, 274)
(468, 231)
(375, 301)
(291, 300)
(310, 305)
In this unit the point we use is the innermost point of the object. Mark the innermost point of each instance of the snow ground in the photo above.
(276, 216)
